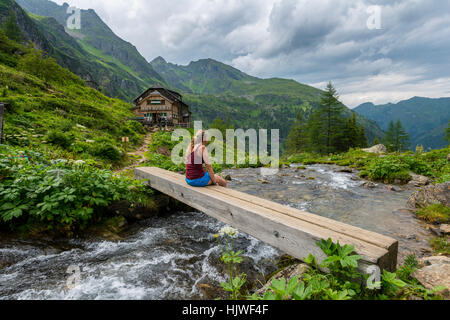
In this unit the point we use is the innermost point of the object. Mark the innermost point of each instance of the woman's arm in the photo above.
(208, 165)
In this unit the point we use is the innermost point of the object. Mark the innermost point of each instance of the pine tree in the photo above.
(329, 116)
(396, 139)
(297, 140)
(315, 139)
(12, 30)
(389, 137)
(402, 138)
(352, 133)
(376, 141)
(362, 139)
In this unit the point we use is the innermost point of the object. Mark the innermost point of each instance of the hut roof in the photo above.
(169, 94)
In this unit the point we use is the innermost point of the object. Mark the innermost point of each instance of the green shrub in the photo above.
(60, 139)
(82, 147)
(434, 213)
(417, 165)
(344, 282)
(163, 162)
(46, 68)
(440, 245)
(57, 193)
(162, 139)
(135, 126)
(105, 150)
(388, 169)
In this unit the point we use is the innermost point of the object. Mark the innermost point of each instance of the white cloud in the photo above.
(310, 41)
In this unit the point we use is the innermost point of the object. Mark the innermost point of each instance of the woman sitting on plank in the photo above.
(196, 157)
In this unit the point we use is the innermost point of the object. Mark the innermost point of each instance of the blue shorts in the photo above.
(200, 182)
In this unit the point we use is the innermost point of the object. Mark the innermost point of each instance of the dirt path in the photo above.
(139, 152)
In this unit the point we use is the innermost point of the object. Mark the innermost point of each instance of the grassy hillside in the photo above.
(424, 119)
(53, 110)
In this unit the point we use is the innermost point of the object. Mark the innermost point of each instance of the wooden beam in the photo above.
(290, 230)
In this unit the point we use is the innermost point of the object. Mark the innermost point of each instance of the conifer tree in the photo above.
(396, 139)
(352, 133)
(376, 141)
(402, 138)
(316, 140)
(297, 140)
(330, 120)
(362, 138)
(389, 137)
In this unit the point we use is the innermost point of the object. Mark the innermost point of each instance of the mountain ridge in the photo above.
(217, 90)
(425, 119)
(108, 60)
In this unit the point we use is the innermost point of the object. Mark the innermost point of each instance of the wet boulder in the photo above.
(368, 185)
(444, 228)
(418, 180)
(378, 149)
(225, 176)
(430, 194)
(393, 188)
(434, 272)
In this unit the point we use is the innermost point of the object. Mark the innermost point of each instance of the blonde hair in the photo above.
(199, 137)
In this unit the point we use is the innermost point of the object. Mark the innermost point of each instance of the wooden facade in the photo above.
(158, 105)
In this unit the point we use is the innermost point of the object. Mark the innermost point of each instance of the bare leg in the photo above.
(221, 181)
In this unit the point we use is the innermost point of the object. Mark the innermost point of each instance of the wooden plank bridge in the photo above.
(293, 231)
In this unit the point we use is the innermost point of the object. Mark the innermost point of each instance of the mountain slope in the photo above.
(216, 90)
(424, 119)
(103, 57)
(208, 76)
(52, 109)
(28, 31)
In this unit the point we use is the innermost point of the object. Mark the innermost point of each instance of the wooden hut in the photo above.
(160, 106)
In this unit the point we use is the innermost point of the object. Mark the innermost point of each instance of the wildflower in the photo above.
(59, 161)
(79, 162)
(229, 231)
(215, 236)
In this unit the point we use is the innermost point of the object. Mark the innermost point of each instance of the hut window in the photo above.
(160, 102)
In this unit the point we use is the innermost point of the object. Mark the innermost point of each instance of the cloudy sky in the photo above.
(386, 55)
